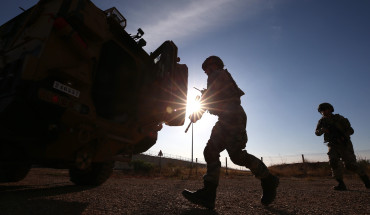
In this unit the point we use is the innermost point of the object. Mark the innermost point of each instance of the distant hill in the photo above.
(310, 169)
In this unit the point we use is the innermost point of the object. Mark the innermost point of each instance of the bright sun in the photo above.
(193, 106)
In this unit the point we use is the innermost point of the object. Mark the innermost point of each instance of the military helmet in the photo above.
(213, 60)
(325, 106)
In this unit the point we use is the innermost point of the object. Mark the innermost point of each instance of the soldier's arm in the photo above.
(319, 129)
(220, 81)
(215, 86)
(349, 129)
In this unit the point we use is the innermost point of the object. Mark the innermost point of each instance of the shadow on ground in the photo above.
(29, 200)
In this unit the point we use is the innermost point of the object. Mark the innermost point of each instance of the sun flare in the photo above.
(193, 105)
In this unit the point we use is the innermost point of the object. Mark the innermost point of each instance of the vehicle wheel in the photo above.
(14, 164)
(96, 175)
(13, 171)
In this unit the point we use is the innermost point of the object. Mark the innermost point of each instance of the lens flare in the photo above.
(193, 106)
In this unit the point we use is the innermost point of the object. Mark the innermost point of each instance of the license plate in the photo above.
(64, 88)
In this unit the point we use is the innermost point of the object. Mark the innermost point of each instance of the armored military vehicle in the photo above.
(76, 89)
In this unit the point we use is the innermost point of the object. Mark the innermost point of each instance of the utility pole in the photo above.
(160, 154)
(192, 143)
(192, 140)
(196, 166)
(226, 166)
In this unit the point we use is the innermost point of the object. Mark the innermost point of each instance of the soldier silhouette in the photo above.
(222, 98)
(337, 131)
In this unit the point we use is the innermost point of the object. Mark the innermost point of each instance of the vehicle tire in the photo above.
(13, 171)
(14, 163)
(96, 175)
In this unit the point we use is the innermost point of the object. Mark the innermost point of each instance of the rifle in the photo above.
(334, 134)
(187, 128)
(201, 91)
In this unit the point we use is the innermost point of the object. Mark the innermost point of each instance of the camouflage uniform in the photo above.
(222, 98)
(340, 146)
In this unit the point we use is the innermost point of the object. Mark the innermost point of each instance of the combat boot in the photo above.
(269, 185)
(341, 186)
(366, 181)
(205, 197)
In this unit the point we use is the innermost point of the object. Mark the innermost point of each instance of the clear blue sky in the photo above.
(288, 56)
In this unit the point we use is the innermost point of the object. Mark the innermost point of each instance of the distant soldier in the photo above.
(337, 131)
(222, 98)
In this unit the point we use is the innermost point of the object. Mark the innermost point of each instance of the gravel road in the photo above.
(49, 191)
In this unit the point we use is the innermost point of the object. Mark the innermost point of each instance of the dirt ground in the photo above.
(49, 191)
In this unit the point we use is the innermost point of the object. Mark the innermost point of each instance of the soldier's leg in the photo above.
(336, 167)
(215, 145)
(351, 164)
(243, 158)
(269, 182)
(235, 144)
(212, 157)
(207, 195)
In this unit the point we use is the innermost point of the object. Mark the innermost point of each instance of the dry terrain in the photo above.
(48, 191)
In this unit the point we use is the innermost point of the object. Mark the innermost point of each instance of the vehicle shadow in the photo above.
(31, 192)
(30, 200)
